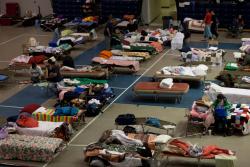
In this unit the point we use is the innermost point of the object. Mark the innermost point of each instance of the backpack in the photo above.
(125, 119)
(92, 110)
(129, 129)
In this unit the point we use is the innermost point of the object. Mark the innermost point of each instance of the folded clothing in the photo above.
(105, 54)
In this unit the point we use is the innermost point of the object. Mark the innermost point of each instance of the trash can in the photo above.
(166, 20)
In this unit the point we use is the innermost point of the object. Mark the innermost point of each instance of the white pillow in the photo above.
(40, 110)
(166, 83)
(162, 139)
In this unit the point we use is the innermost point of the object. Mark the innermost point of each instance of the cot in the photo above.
(165, 125)
(46, 129)
(234, 95)
(182, 73)
(129, 65)
(48, 115)
(153, 88)
(29, 148)
(92, 73)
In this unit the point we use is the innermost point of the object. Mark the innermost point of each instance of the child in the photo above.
(36, 73)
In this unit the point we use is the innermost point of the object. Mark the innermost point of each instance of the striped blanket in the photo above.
(49, 116)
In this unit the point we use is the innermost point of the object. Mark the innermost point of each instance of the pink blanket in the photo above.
(20, 59)
(123, 63)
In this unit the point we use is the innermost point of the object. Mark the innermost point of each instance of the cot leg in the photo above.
(199, 160)
(143, 130)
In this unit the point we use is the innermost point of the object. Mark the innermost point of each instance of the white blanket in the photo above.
(233, 95)
(44, 129)
(200, 70)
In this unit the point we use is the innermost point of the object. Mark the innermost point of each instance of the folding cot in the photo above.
(153, 88)
(102, 73)
(28, 148)
(111, 64)
(159, 77)
(48, 115)
(165, 125)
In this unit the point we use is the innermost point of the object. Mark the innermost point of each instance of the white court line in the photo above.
(11, 39)
(85, 127)
(16, 37)
(118, 88)
(4, 106)
(93, 120)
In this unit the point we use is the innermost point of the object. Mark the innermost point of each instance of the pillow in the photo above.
(166, 83)
(162, 139)
(30, 108)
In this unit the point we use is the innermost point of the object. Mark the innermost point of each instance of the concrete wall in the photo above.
(167, 3)
(151, 9)
(45, 6)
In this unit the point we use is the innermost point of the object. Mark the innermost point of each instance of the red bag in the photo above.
(37, 59)
(30, 108)
(27, 122)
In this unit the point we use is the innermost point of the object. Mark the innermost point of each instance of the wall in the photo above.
(45, 6)
(167, 3)
(151, 9)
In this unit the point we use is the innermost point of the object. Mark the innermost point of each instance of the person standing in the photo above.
(108, 30)
(214, 25)
(208, 21)
(53, 69)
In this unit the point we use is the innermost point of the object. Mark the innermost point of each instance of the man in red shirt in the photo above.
(208, 21)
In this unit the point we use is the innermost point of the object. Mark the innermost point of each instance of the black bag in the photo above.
(129, 129)
(92, 110)
(125, 119)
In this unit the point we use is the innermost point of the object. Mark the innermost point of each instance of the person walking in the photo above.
(208, 21)
(108, 30)
(214, 25)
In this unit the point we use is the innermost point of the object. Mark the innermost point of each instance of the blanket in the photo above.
(122, 63)
(29, 148)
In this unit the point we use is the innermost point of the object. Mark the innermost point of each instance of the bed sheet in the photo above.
(44, 128)
(122, 63)
(233, 95)
(49, 116)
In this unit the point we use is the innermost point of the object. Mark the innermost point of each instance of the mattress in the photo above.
(44, 128)
(49, 116)
(154, 88)
(234, 95)
(29, 148)
(121, 63)
(87, 74)
(179, 77)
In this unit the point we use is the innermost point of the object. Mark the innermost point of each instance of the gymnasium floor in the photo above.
(13, 96)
